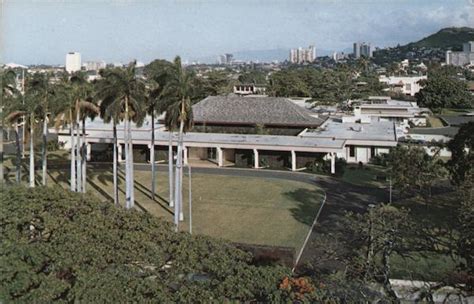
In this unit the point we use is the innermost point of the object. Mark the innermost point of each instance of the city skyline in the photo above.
(119, 31)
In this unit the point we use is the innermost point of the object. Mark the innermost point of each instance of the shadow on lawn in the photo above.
(308, 203)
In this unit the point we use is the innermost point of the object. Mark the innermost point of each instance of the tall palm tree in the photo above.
(77, 106)
(157, 73)
(179, 92)
(46, 95)
(7, 90)
(15, 113)
(122, 95)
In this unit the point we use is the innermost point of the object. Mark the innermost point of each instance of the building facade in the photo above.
(302, 55)
(362, 49)
(466, 57)
(73, 62)
(407, 85)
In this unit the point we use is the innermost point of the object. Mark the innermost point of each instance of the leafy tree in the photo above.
(286, 83)
(442, 89)
(404, 161)
(379, 233)
(461, 165)
(253, 77)
(217, 83)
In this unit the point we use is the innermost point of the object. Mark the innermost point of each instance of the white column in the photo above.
(220, 161)
(256, 161)
(333, 163)
(120, 153)
(293, 160)
(88, 151)
(185, 155)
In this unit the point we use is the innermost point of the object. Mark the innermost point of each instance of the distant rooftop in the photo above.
(375, 130)
(253, 110)
(456, 120)
(446, 131)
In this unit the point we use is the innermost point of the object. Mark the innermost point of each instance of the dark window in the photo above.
(211, 153)
(372, 151)
(352, 151)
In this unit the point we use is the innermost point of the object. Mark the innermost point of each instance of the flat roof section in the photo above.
(233, 141)
(373, 131)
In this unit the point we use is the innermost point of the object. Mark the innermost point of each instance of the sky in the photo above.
(43, 31)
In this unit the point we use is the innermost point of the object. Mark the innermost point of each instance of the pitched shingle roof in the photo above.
(253, 110)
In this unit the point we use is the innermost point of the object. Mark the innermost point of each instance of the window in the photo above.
(352, 151)
(211, 153)
(372, 151)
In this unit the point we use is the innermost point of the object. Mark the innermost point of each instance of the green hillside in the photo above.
(451, 37)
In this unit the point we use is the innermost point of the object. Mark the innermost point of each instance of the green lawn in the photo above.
(435, 122)
(365, 176)
(454, 112)
(239, 209)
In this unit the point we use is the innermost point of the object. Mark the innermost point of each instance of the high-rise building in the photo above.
(362, 49)
(301, 55)
(73, 62)
(229, 58)
(356, 51)
(466, 57)
(225, 59)
(94, 65)
(468, 47)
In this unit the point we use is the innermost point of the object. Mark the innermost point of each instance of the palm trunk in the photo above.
(2, 178)
(84, 156)
(78, 153)
(73, 154)
(127, 160)
(170, 168)
(18, 154)
(131, 169)
(177, 193)
(152, 155)
(32, 151)
(45, 149)
(181, 207)
(116, 199)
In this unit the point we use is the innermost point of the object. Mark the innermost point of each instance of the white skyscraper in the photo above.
(73, 62)
(301, 55)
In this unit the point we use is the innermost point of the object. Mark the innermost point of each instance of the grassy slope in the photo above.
(239, 209)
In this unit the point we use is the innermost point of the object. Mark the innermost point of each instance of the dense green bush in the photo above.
(59, 246)
(322, 166)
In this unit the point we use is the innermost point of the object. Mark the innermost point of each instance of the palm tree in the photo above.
(46, 94)
(179, 92)
(7, 90)
(122, 95)
(158, 74)
(77, 107)
(15, 115)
